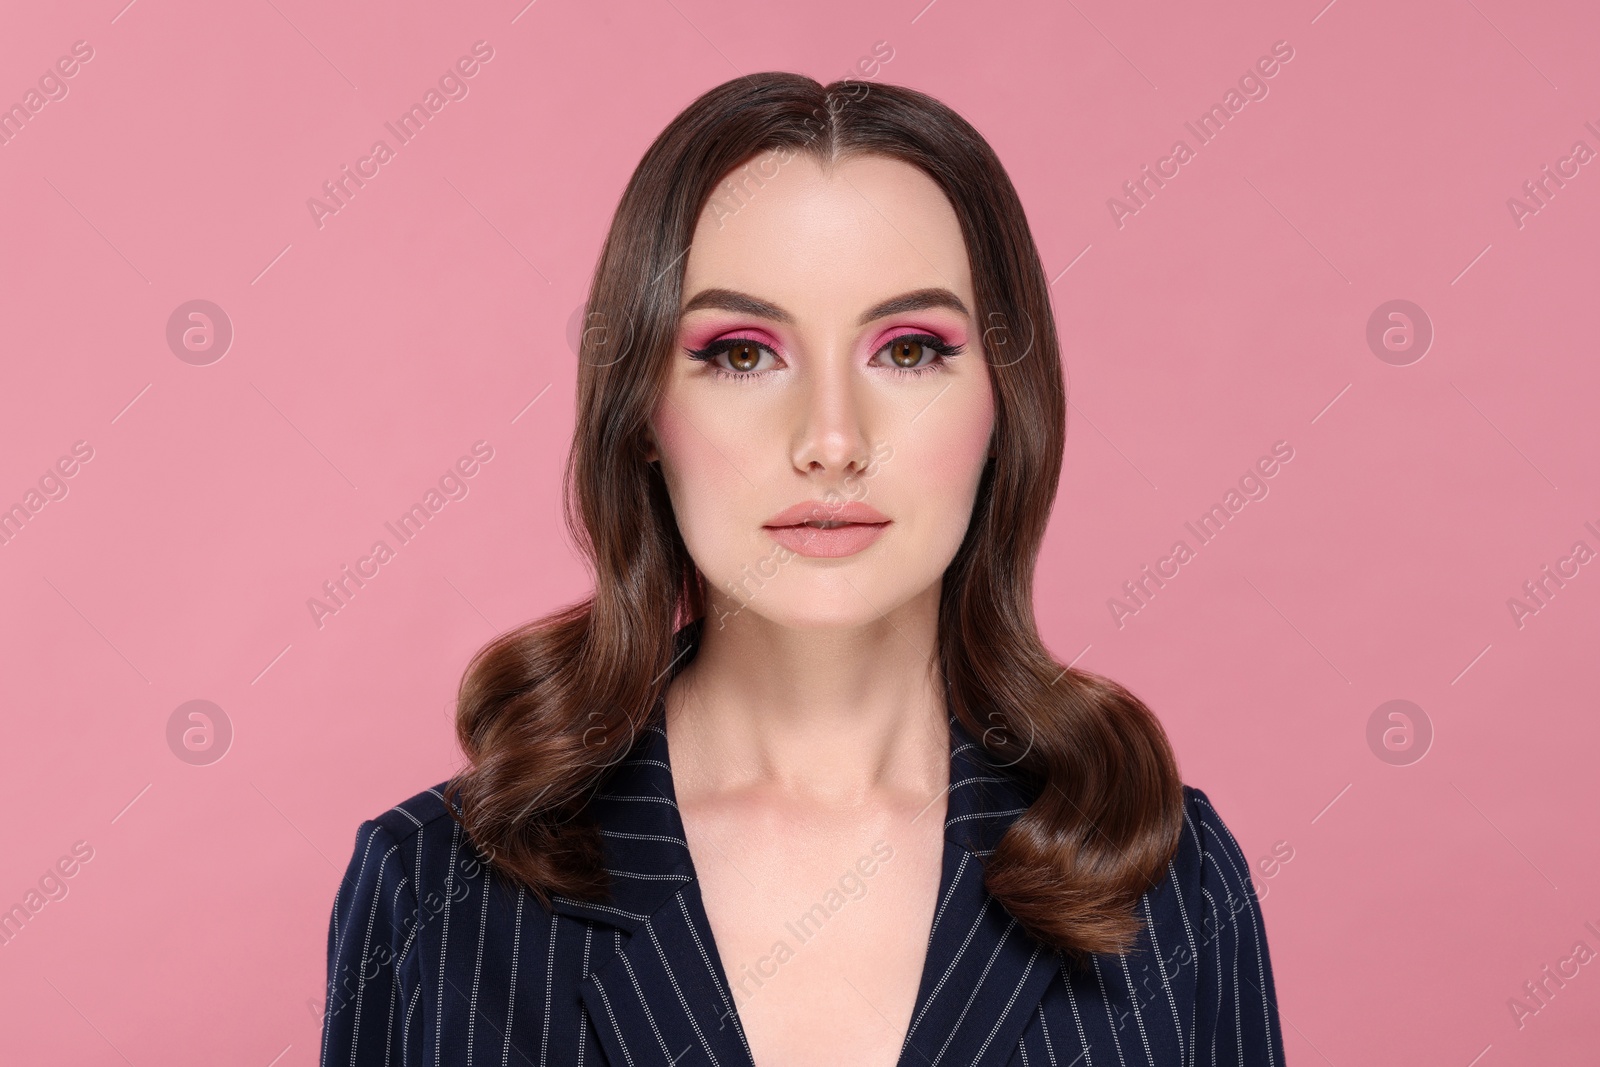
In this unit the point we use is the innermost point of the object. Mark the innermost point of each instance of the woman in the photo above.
(820, 426)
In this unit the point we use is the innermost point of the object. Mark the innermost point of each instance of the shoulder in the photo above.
(416, 847)
(1208, 899)
(1208, 877)
(402, 822)
(408, 864)
(1208, 855)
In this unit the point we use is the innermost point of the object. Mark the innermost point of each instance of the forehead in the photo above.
(842, 239)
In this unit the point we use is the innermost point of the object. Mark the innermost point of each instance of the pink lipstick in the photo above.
(827, 531)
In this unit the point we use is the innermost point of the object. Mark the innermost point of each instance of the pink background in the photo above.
(369, 354)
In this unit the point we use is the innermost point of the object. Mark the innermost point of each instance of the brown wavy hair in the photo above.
(545, 710)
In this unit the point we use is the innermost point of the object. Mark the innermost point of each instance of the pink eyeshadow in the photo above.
(700, 336)
(885, 336)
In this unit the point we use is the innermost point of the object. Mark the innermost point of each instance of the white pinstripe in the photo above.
(1105, 998)
(1072, 1002)
(643, 877)
(550, 982)
(583, 1009)
(416, 821)
(405, 1036)
(394, 981)
(1194, 952)
(602, 907)
(388, 1033)
(644, 1004)
(682, 1000)
(477, 966)
(417, 881)
(444, 941)
(988, 965)
(983, 815)
(645, 837)
(615, 1029)
(394, 902)
(978, 778)
(1238, 1024)
(360, 877)
(1044, 1030)
(511, 997)
(705, 957)
(1216, 1015)
(645, 763)
(933, 996)
(960, 869)
(1138, 1016)
(1161, 963)
(366, 948)
(1248, 889)
(405, 950)
(1011, 1002)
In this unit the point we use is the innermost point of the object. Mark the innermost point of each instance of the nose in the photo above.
(830, 435)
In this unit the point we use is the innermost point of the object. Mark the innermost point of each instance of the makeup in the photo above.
(827, 531)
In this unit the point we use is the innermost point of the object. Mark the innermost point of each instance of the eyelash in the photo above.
(942, 354)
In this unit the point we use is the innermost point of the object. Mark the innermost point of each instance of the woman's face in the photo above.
(828, 370)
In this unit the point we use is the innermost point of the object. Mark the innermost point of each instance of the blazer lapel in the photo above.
(984, 975)
(662, 997)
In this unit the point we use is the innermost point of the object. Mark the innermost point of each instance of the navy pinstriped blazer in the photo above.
(434, 959)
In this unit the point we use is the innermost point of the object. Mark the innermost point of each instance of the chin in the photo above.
(813, 617)
(831, 603)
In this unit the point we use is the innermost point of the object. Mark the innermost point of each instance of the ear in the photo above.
(651, 453)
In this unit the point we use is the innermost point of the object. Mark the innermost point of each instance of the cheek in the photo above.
(695, 463)
(957, 445)
(944, 461)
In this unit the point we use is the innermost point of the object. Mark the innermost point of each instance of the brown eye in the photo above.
(917, 353)
(743, 355)
(907, 353)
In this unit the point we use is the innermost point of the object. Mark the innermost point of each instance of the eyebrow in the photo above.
(744, 303)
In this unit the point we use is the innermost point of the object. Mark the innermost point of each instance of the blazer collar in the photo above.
(666, 992)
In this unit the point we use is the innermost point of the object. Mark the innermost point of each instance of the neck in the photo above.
(820, 716)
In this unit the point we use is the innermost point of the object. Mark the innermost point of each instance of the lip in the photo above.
(827, 544)
(820, 511)
(863, 526)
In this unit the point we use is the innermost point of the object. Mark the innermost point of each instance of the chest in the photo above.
(821, 926)
(575, 987)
